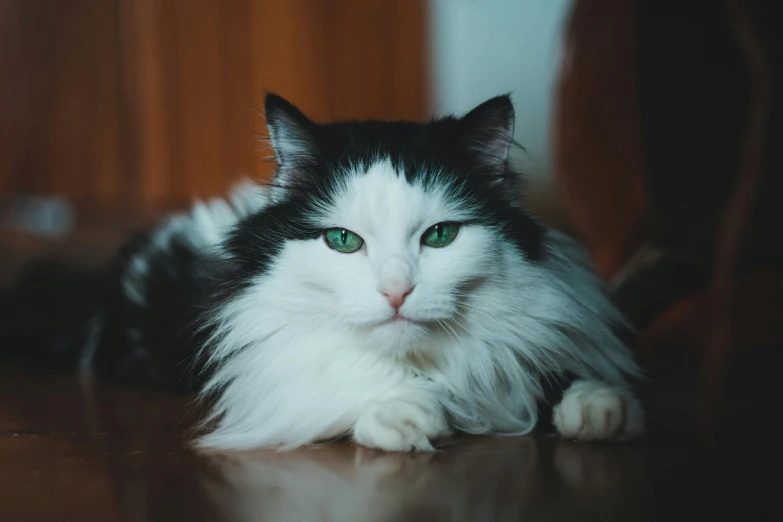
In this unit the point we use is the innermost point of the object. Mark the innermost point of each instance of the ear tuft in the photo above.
(291, 132)
(489, 130)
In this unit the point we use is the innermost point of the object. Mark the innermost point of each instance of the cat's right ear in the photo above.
(291, 132)
(489, 131)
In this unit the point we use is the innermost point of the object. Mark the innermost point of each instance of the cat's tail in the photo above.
(51, 317)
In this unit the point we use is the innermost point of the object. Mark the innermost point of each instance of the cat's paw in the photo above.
(401, 425)
(592, 411)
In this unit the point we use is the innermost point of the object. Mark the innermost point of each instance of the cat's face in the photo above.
(400, 258)
(387, 228)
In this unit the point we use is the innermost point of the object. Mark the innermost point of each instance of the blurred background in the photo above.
(114, 111)
(152, 103)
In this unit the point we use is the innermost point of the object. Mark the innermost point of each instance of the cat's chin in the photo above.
(399, 331)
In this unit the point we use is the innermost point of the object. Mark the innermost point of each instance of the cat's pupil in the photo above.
(343, 235)
(439, 231)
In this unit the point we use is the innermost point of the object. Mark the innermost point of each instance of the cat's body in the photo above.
(388, 286)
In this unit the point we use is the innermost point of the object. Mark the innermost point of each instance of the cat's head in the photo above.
(386, 227)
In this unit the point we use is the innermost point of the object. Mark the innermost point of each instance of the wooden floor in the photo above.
(75, 449)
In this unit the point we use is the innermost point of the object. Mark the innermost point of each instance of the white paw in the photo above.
(401, 425)
(592, 411)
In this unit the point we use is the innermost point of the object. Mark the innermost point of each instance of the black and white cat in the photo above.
(388, 285)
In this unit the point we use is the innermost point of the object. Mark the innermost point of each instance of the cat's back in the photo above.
(159, 283)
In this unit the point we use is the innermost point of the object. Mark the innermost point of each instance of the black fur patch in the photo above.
(152, 342)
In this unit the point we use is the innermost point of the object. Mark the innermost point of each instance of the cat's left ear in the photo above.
(489, 131)
(291, 132)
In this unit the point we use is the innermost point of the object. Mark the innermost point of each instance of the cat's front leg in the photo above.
(594, 411)
(407, 422)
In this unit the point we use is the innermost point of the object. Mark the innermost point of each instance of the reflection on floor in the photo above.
(75, 449)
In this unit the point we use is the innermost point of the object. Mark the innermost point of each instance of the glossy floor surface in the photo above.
(76, 449)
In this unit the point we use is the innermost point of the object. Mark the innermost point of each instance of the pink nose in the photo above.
(397, 296)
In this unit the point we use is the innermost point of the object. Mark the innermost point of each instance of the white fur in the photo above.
(308, 351)
(592, 410)
(402, 423)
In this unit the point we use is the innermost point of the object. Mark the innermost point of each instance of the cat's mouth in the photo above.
(398, 320)
(401, 319)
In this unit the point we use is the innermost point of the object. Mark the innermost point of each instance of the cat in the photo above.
(388, 285)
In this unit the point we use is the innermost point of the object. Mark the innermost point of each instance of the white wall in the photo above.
(482, 48)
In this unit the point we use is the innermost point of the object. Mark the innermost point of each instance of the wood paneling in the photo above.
(58, 98)
(147, 103)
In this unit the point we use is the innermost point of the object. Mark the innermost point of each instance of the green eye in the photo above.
(440, 235)
(343, 240)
